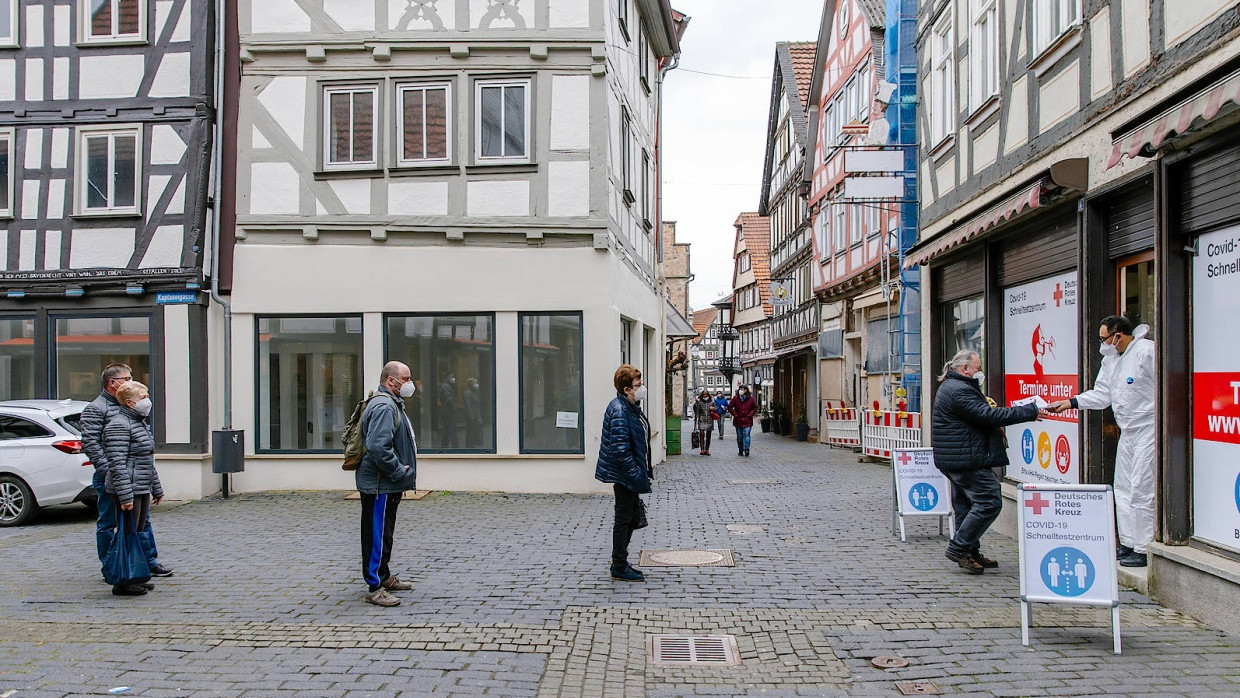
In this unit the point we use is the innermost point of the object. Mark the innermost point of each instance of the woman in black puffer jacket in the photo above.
(131, 479)
(624, 461)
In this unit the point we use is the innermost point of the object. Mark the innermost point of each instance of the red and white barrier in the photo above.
(842, 426)
(883, 432)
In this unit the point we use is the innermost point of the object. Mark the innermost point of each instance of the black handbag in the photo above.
(695, 439)
(641, 515)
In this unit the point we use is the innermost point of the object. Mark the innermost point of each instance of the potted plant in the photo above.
(764, 419)
(781, 423)
(802, 425)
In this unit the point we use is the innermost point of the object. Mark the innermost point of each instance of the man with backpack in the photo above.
(387, 468)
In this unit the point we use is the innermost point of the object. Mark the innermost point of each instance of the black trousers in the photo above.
(378, 528)
(627, 503)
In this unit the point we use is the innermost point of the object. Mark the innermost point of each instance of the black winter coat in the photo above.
(130, 449)
(623, 451)
(967, 432)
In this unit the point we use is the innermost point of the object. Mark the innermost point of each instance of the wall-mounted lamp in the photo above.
(134, 289)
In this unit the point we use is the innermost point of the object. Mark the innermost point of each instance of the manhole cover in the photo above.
(745, 529)
(889, 662)
(714, 650)
(918, 688)
(753, 482)
(687, 558)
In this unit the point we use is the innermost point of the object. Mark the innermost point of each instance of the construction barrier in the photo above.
(883, 432)
(842, 426)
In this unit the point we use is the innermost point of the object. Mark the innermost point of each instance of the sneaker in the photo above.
(966, 562)
(394, 584)
(985, 561)
(628, 574)
(1122, 552)
(380, 597)
(158, 570)
(1133, 559)
(128, 590)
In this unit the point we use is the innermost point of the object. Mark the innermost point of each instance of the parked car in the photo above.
(41, 459)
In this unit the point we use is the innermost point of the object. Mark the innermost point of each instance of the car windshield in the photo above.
(72, 422)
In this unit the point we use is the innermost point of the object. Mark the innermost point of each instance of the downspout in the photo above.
(660, 277)
(217, 186)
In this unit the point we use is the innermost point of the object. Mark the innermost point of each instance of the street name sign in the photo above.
(920, 488)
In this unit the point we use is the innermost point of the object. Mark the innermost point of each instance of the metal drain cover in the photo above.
(918, 688)
(683, 650)
(753, 482)
(745, 529)
(687, 558)
(889, 662)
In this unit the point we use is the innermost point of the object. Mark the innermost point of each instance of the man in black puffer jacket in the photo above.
(967, 438)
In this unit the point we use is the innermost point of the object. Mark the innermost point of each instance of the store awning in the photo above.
(1015, 205)
(675, 326)
(1201, 109)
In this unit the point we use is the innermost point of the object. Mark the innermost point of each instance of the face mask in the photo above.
(407, 389)
(979, 377)
(452, 381)
(144, 406)
(639, 394)
(1108, 350)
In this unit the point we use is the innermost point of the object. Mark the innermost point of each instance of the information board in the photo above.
(1067, 548)
(920, 488)
(1216, 389)
(1040, 339)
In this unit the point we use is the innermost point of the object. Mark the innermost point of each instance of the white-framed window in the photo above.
(850, 101)
(622, 13)
(856, 222)
(502, 115)
(9, 23)
(829, 129)
(6, 171)
(984, 52)
(1051, 18)
(942, 103)
(643, 58)
(874, 215)
(865, 92)
(350, 127)
(109, 170)
(744, 264)
(112, 20)
(645, 186)
(626, 157)
(841, 227)
(424, 123)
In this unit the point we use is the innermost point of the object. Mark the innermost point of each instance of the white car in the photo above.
(41, 459)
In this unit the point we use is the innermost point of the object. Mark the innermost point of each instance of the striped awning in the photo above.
(1015, 205)
(1178, 120)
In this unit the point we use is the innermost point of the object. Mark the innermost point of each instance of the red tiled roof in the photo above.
(757, 232)
(802, 53)
(702, 319)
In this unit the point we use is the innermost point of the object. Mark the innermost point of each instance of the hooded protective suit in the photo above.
(1126, 384)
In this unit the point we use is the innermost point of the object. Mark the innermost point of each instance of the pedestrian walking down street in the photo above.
(721, 410)
(704, 421)
(131, 480)
(388, 468)
(624, 461)
(94, 418)
(742, 408)
(1126, 383)
(968, 443)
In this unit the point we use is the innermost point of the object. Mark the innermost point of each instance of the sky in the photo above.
(714, 128)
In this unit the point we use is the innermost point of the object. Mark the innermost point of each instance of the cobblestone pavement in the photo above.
(511, 597)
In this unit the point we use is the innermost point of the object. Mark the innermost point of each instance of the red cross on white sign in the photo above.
(904, 458)
(1037, 503)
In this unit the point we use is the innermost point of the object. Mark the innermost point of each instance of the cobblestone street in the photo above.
(512, 597)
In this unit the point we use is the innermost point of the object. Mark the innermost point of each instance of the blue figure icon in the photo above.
(923, 496)
(1026, 447)
(1067, 571)
(1238, 493)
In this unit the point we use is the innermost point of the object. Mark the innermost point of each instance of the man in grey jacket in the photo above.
(388, 468)
(94, 418)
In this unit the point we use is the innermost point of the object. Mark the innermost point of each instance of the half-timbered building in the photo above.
(467, 186)
(106, 117)
(1081, 160)
(751, 305)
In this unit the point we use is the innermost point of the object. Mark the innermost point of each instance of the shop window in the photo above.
(452, 361)
(425, 129)
(349, 126)
(17, 359)
(110, 21)
(85, 345)
(503, 118)
(309, 376)
(109, 171)
(551, 386)
(964, 327)
(1135, 287)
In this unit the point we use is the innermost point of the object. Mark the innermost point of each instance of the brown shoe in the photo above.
(985, 561)
(380, 597)
(966, 562)
(706, 453)
(394, 584)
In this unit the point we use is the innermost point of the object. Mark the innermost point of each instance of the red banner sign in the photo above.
(1216, 407)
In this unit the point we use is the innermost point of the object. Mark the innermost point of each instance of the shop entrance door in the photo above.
(1134, 299)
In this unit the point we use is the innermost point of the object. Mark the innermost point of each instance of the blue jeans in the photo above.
(977, 500)
(742, 438)
(105, 525)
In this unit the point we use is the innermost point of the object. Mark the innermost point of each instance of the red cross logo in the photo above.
(1058, 295)
(904, 458)
(1037, 503)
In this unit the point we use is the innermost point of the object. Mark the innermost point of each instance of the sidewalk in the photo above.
(512, 597)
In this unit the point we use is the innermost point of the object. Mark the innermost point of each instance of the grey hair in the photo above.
(959, 361)
(113, 370)
(391, 369)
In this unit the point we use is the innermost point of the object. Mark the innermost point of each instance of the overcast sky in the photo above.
(714, 127)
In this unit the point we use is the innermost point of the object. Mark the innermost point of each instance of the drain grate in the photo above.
(753, 482)
(686, 650)
(687, 558)
(918, 688)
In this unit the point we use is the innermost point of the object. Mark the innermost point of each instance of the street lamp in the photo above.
(729, 364)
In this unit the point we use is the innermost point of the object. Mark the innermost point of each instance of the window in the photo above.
(626, 138)
(1051, 18)
(645, 187)
(874, 219)
(964, 327)
(622, 13)
(503, 120)
(18, 428)
(8, 22)
(551, 388)
(745, 263)
(6, 171)
(108, 170)
(942, 103)
(643, 59)
(424, 129)
(349, 137)
(309, 377)
(865, 98)
(16, 358)
(841, 227)
(113, 20)
(452, 361)
(84, 345)
(856, 223)
(984, 52)
(850, 101)
(879, 346)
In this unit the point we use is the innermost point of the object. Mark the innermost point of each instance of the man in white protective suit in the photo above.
(1126, 383)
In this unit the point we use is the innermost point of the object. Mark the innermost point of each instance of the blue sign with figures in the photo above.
(923, 496)
(176, 297)
(1026, 447)
(1067, 571)
(1238, 493)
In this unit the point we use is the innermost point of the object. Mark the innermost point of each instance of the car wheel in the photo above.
(17, 503)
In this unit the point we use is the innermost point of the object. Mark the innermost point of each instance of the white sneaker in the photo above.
(381, 597)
